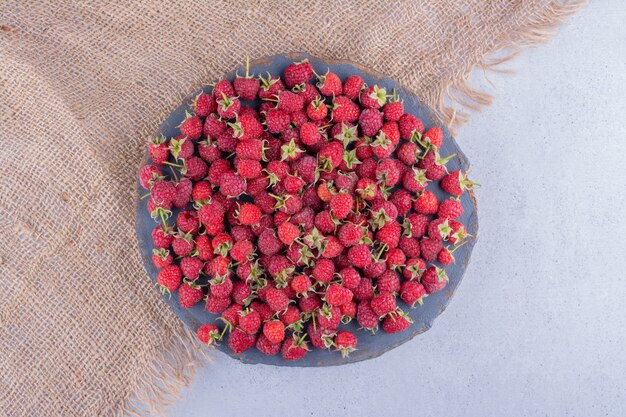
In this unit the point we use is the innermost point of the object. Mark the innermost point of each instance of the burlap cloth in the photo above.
(82, 330)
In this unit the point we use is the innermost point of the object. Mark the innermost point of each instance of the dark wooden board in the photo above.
(369, 346)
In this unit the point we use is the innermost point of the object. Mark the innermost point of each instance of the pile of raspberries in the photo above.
(303, 212)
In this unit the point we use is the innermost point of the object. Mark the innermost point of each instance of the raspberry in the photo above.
(204, 104)
(344, 110)
(324, 270)
(383, 303)
(189, 295)
(366, 317)
(191, 127)
(337, 295)
(341, 205)
(360, 256)
(169, 278)
(370, 122)
(352, 87)
(426, 203)
(297, 73)
(408, 124)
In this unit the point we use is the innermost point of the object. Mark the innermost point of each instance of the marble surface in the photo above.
(538, 326)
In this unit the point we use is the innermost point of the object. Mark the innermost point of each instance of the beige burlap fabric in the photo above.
(82, 330)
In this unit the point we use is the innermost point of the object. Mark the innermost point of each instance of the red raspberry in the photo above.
(148, 174)
(226, 142)
(408, 153)
(183, 244)
(373, 97)
(187, 221)
(202, 191)
(195, 168)
(270, 86)
(360, 256)
(329, 317)
(375, 270)
(450, 209)
(341, 205)
(389, 234)
(163, 192)
(330, 84)
(383, 303)
(294, 349)
(434, 279)
(323, 271)
(345, 342)
(415, 180)
(364, 290)
(241, 292)
(290, 316)
(169, 278)
(439, 229)
(387, 172)
(337, 295)
(348, 310)
(274, 331)
(277, 120)
(242, 251)
(204, 104)
(181, 147)
(352, 87)
(297, 73)
(161, 239)
(159, 151)
(445, 257)
(433, 137)
(366, 317)
(162, 258)
(264, 310)
(309, 134)
(331, 155)
(393, 110)
(389, 281)
(350, 278)
(409, 246)
(232, 185)
(426, 203)
(403, 201)
(396, 322)
(414, 269)
(395, 258)
(430, 248)
(223, 87)
(409, 124)
(208, 334)
(434, 165)
(367, 169)
(316, 110)
(416, 225)
(189, 295)
(240, 341)
(288, 233)
(264, 346)
(276, 299)
(213, 127)
(310, 303)
(370, 122)
(289, 102)
(191, 127)
(344, 110)
(456, 183)
(249, 321)
(249, 214)
(231, 314)
(191, 267)
(228, 107)
(204, 248)
(246, 87)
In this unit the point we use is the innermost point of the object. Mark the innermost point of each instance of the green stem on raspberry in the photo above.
(173, 164)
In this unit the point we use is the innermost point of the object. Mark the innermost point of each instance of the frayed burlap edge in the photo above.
(166, 376)
(458, 97)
